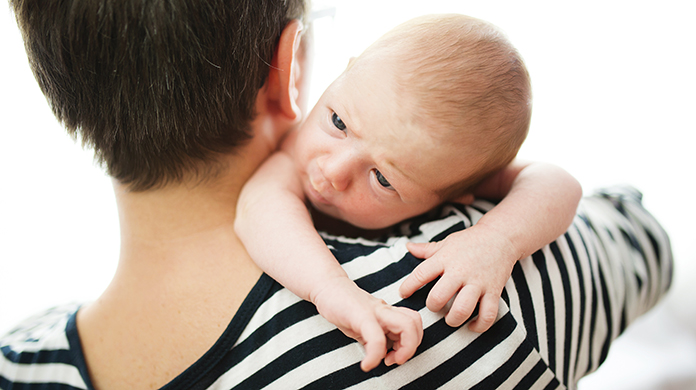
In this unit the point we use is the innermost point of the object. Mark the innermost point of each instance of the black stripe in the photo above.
(76, 356)
(294, 358)
(633, 242)
(5, 384)
(483, 210)
(454, 228)
(547, 289)
(508, 367)
(599, 249)
(583, 299)
(554, 384)
(303, 310)
(389, 274)
(505, 297)
(353, 375)
(592, 257)
(279, 322)
(655, 247)
(607, 312)
(664, 264)
(343, 378)
(526, 304)
(532, 376)
(216, 361)
(479, 347)
(40, 357)
(345, 252)
(568, 299)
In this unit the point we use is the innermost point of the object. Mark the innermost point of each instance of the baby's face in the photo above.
(361, 159)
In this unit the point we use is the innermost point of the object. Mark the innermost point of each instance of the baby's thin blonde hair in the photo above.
(464, 81)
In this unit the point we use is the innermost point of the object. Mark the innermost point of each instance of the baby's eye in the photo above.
(338, 122)
(382, 180)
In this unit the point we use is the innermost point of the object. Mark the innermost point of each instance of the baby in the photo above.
(434, 111)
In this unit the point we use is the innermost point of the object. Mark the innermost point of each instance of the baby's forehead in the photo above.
(433, 159)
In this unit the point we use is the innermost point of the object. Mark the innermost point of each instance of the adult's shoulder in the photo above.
(44, 349)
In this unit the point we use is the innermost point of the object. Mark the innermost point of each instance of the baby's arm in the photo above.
(276, 228)
(539, 202)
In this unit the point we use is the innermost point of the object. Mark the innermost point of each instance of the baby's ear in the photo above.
(463, 199)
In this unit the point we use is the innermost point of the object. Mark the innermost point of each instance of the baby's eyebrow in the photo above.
(404, 177)
(394, 175)
(351, 123)
(350, 116)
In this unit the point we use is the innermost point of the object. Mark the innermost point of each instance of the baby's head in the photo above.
(465, 84)
(422, 116)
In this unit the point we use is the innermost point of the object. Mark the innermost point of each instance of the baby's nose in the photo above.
(337, 170)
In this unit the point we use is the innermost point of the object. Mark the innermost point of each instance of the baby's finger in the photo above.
(423, 274)
(375, 344)
(406, 330)
(442, 292)
(488, 312)
(463, 305)
(423, 250)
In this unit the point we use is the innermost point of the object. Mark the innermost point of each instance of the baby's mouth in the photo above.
(316, 188)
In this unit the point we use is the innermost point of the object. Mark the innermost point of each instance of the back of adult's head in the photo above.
(159, 89)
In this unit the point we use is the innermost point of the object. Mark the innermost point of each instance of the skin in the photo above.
(346, 160)
(343, 161)
(183, 271)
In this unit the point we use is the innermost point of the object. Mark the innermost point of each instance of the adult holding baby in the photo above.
(181, 106)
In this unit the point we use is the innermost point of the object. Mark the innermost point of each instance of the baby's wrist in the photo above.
(330, 291)
(500, 241)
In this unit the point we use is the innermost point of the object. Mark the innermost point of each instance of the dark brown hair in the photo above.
(158, 88)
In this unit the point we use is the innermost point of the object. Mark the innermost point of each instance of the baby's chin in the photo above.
(357, 221)
(329, 210)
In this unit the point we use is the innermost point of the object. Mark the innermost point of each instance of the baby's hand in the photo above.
(474, 267)
(370, 321)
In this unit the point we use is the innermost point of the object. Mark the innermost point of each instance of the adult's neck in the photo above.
(182, 275)
(179, 233)
(183, 234)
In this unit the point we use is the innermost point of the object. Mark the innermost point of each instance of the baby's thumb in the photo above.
(423, 250)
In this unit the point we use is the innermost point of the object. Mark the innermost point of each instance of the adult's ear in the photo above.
(285, 72)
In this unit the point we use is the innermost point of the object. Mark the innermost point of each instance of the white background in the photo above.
(614, 102)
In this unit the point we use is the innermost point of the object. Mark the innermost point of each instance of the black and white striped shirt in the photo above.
(558, 315)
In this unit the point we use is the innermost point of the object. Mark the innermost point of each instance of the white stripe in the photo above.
(423, 363)
(557, 291)
(522, 370)
(375, 262)
(514, 298)
(488, 363)
(432, 229)
(583, 343)
(534, 283)
(49, 329)
(574, 282)
(319, 367)
(42, 373)
(350, 240)
(280, 301)
(599, 329)
(544, 381)
(287, 339)
(356, 268)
